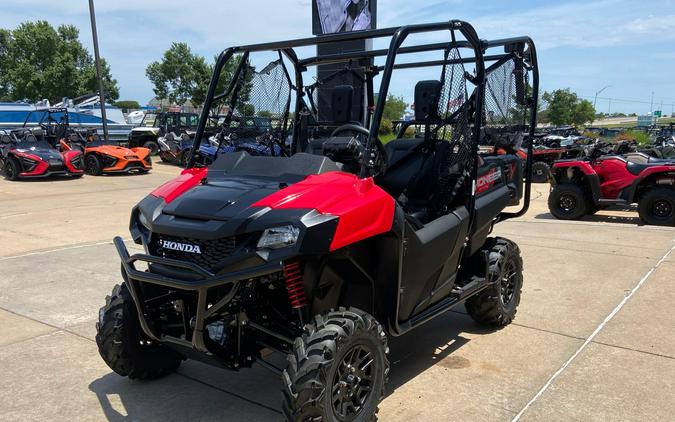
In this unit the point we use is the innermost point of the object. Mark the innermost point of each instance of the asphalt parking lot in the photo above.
(593, 338)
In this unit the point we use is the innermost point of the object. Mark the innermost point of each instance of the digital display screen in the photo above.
(331, 16)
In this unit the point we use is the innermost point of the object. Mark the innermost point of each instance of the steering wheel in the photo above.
(380, 161)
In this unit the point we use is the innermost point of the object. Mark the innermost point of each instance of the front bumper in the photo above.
(128, 167)
(195, 279)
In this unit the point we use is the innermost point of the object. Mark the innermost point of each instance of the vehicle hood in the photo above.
(144, 129)
(43, 153)
(221, 199)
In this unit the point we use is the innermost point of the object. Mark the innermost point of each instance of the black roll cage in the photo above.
(398, 35)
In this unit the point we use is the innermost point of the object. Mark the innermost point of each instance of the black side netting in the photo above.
(266, 95)
(505, 112)
(456, 114)
(501, 93)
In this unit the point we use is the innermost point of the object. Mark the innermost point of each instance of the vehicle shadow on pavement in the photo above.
(208, 393)
(431, 344)
(178, 398)
(602, 218)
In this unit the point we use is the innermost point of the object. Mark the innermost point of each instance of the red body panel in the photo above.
(364, 209)
(172, 189)
(39, 169)
(614, 177)
(584, 166)
(68, 157)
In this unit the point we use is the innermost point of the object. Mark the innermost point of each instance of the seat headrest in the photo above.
(341, 102)
(427, 94)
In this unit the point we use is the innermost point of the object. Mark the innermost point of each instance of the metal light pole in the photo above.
(651, 105)
(595, 100)
(97, 60)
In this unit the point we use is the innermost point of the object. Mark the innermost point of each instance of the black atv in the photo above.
(326, 252)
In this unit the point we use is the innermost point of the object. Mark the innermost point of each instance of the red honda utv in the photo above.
(581, 187)
(324, 253)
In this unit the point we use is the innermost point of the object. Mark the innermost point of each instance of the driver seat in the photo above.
(341, 108)
(413, 174)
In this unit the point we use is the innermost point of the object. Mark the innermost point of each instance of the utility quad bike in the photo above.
(581, 187)
(543, 159)
(324, 253)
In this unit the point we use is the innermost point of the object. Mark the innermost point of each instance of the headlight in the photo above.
(144, 221)
(279, 237)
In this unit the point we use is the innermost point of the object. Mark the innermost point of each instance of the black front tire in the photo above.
(93, 165)
(184, 157)
(540, 172)
(321, 382)
(497, 305)
(123, 345)
(567, 201)
(12, 168)
(657, 207)
(152, 146)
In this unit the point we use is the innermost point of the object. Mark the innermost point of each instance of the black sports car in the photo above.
(24, 156)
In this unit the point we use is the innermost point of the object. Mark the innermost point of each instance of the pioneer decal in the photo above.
(488, 180)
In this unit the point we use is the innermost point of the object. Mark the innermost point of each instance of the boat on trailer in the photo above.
(83, 112)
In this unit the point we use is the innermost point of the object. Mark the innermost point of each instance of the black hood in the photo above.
(221, 199)
(42, 152)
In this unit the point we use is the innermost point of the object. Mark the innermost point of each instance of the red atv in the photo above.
(542, 160)
(581, 187)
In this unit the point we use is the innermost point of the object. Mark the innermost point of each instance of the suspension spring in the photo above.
(294, 284)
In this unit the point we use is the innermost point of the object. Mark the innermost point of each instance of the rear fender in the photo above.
(654, 176)
(578, 172)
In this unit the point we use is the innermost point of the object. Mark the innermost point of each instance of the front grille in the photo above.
(28, 164)
(58, 167)
(212, 251)
(77, 162)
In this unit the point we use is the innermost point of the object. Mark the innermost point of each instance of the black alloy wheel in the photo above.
(353, 382)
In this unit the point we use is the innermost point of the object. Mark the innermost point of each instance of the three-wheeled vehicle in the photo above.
(324, 253)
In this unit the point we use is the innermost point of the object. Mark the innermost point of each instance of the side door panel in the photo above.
(430, 262)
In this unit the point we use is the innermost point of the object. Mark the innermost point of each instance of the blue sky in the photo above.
(583, 45)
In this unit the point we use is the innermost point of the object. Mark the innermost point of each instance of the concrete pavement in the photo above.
(57, 264)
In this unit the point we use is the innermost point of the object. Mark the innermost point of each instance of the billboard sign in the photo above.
(645, 121)
(331, 16)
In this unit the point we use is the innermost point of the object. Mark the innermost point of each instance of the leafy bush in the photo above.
(590, 134)
(642, 138)
(386, 127)
(409, 132)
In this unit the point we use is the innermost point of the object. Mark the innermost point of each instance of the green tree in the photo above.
(394, 108)
(583, 113)
(38, 61)
(5, 39)
(566, 108)
(180, 75)
(127, 105)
